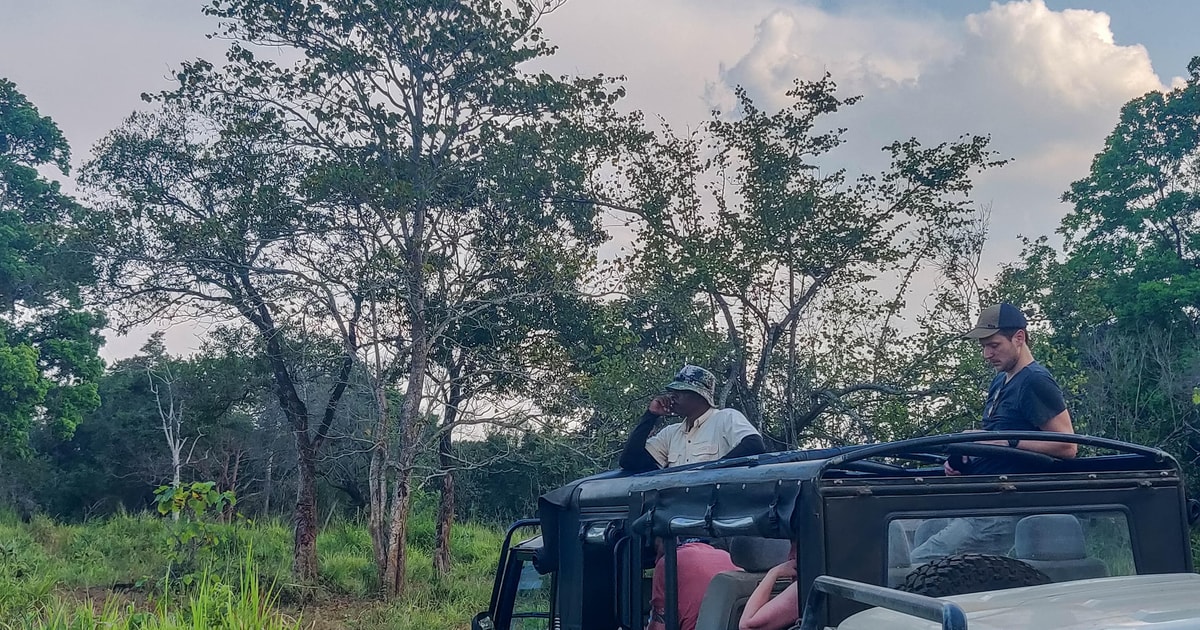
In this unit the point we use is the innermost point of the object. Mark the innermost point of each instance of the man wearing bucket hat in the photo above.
(1022, 397)
(706, 433)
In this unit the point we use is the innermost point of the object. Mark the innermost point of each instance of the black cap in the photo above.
(995, 318)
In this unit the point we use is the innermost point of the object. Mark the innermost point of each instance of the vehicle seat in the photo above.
(899, 555)
(727, 593)
(1053, 544)
(928, 528)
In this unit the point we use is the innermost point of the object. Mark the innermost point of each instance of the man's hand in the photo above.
(950, 470)
(662, 405)
(781, 571)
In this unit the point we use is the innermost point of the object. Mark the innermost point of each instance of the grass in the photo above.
(110, 574)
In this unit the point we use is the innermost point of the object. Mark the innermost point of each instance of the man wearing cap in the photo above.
(1022, 397)
(706, 433)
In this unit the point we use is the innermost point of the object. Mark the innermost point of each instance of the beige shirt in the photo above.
(712, 436)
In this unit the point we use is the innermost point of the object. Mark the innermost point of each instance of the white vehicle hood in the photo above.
(1158, 602)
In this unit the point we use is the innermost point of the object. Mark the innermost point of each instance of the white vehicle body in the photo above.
(1159, 602)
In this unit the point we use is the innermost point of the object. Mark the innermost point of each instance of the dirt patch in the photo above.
(331, 613)
(100, 599)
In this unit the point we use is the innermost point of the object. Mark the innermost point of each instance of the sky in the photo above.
(1044, 78)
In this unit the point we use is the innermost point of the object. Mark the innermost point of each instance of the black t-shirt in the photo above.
(1024, 403)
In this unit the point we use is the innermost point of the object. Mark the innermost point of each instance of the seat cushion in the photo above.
(725, 599)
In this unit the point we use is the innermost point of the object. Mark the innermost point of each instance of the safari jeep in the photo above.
(1095, 540)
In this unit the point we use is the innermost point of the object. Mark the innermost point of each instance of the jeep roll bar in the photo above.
(949, 614)
(939, 443)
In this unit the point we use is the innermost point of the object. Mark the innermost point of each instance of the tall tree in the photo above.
(195, 217)
(48, 341)
(428, 152)
(796, 259)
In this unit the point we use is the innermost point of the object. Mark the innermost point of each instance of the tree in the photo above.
(806, 271)
(405, 144)
(195, 216)
(48, 340)
(118, 455)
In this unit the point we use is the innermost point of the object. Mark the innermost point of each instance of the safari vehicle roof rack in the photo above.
(967, 443)
(932, 449)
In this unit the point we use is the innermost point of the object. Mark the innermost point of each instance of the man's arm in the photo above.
(635, 457)
(742, 437)
(750, 445)
(764, 613)
(1060, 423)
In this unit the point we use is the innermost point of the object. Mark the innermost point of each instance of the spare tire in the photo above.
(971, 573)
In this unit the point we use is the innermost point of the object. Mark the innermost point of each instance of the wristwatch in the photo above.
(1013, 442)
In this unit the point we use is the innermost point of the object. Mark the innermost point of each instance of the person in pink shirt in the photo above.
(698, 563)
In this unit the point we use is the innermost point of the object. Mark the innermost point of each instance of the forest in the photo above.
(433, 284)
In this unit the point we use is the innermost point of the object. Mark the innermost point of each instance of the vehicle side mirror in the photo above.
(1193, 512)
(482, 621)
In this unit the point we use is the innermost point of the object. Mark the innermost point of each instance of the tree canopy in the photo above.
(48, 340)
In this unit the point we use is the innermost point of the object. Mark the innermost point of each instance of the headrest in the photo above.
(1050, 537)
(758, 554)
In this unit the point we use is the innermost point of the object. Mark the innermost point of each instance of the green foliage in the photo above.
(21, 391)
(196, 500)
(48, 344)
(214, 604)
(192, 538)
(118, 456)
(512, 472)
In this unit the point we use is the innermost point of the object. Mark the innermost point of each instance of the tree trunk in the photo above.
(304, 558)
(268, 485)
(397, 553)
(445, 517)
(410, 415)
(377, 486)
(304, 551)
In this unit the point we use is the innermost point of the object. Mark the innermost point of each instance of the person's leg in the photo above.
(990, 534)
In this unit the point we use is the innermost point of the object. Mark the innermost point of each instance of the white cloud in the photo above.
(1046, 85)
(668, 50)
(863, 52)
(1068, 56)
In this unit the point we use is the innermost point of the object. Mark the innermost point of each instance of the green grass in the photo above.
(211, 604)
(110, 574)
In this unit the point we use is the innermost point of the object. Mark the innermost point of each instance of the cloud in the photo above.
(863, 52)
(1068, 57)
(668, 50)
(1046, 85)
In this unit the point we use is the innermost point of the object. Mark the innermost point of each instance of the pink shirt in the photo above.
(698, 564)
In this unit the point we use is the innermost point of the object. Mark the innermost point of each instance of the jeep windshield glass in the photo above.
(1061, 546)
